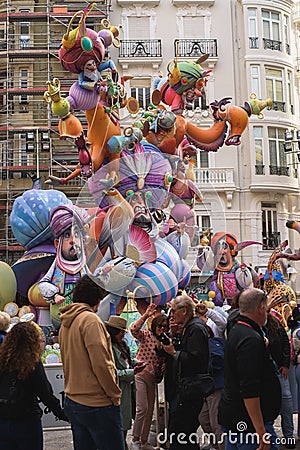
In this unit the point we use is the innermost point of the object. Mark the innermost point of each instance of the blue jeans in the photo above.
(287, 423)
(95, 428)
(237, 441)
(298, 395)
(21, 434)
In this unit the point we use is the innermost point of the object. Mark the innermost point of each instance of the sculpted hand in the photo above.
(59, 299)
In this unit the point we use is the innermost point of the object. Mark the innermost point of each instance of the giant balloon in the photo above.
(8, 285)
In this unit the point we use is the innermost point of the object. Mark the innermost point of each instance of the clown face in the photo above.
(223, 256)
(90, 66)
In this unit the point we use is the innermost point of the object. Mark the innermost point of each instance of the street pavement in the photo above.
(61, 439)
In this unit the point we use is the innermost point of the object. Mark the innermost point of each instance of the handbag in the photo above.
(197, 387)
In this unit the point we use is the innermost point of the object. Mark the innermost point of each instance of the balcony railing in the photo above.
(270, 44)
(253, 42)
(279, 170)
(271, 240)
(278, 106)
(214, 177)
(195, 48)
(259, 169)
(140, 49)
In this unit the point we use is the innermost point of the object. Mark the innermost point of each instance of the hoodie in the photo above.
(88, 362)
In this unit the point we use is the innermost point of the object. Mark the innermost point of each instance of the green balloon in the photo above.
(8, 285)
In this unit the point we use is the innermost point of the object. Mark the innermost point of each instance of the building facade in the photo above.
(251, 189)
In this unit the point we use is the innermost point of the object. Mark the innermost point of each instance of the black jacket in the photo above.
(249, 372)
(26, 395)
(193, 355)
(279, 346)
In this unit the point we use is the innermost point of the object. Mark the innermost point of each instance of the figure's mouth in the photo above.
(233, 140)
(223, 261)
(138, 210)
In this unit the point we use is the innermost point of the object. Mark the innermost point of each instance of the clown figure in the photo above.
(229, 275)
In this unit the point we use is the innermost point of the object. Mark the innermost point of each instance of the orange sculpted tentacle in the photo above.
(210, 139)
(238, 118)
(101, 129)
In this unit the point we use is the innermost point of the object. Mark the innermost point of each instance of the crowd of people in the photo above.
(229, 372)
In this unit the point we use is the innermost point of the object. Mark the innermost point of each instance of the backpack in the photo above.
(217, 349)
(295, 346)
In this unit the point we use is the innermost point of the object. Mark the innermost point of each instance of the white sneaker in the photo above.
(135, 445)
(147, 446)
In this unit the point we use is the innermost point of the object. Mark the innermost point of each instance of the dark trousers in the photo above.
(183, 425)
(21, 434)
(95, 428)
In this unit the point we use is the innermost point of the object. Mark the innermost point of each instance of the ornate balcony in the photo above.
(270, 44)
(194, 48)
(216, 178)
(278, 106)
(253, 42)
(140, 49)
(271, 240)
(280, 170)
(259, 170)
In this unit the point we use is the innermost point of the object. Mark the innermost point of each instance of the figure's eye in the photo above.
(222, 108)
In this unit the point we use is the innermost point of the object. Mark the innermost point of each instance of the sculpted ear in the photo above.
(56, 241)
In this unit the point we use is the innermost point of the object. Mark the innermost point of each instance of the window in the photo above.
(271, 25)
(2, 38)
(139, 28)
(194, 27)
(286, 34)
(203, 223)
(270, 235)
(289, 92)
(274, 87)
(255, 80)
(252, 25)
(277, 156)
(258, 143)
(140, 89)
(203, 159)
(23, 158)
(24, 85)
(24, 29)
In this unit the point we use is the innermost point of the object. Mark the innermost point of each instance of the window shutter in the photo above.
(139, 28)
(193, 27)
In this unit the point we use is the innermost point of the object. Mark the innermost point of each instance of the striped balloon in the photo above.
(167, 255)
(185, 276)
(158, 279)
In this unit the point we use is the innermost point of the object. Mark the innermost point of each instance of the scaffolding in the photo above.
(30, 146)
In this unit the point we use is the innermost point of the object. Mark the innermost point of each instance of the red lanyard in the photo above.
(245, 323)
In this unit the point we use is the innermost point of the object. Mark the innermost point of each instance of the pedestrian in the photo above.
(251, 398)
(213, 319)
(294, 325)
(92, 400)
(145, 381)
(208, 417)
(4, 325)
(192, 358)
(23, 383)
(126, 368)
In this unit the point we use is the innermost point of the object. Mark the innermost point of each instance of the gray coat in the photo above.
(126, 384)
